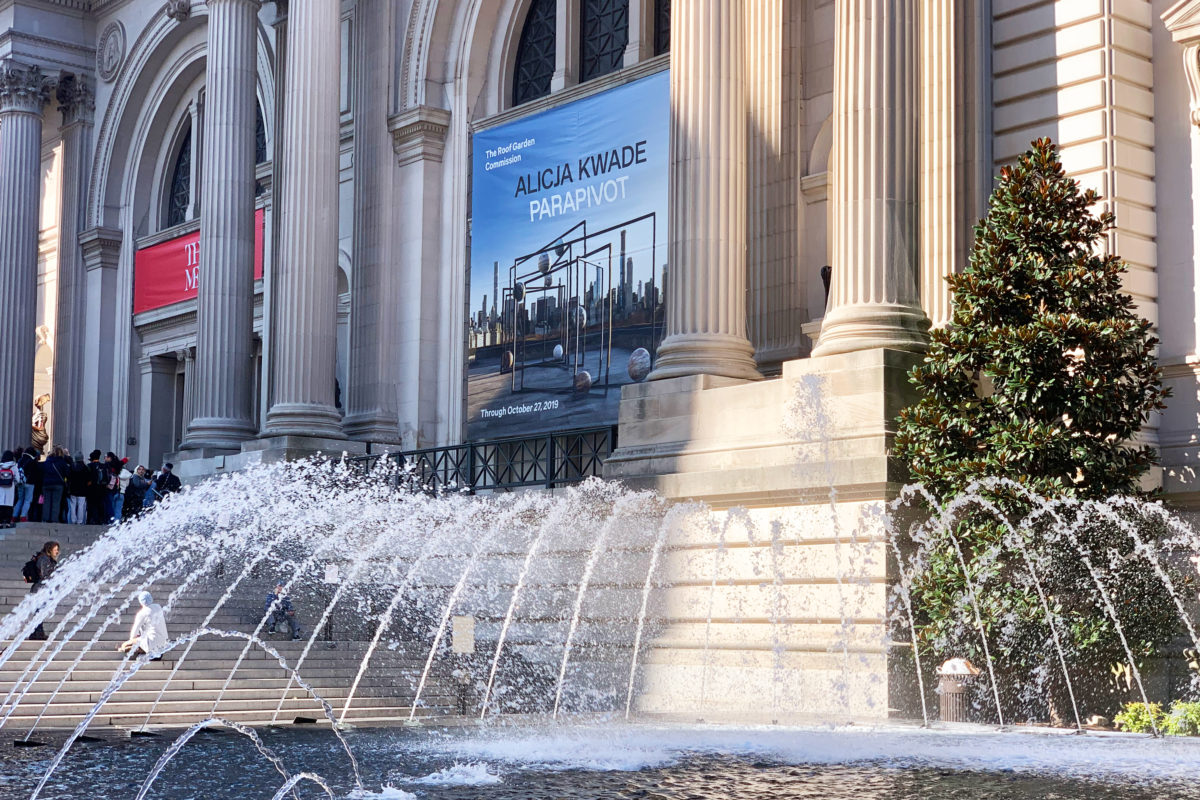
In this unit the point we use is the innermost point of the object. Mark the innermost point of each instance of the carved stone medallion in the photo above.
(111, 51)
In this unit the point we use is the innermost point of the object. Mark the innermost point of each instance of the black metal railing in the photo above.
(549, 460)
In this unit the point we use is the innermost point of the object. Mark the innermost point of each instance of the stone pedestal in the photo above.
(224, 392)
(873, 299)
(23, 94)
(706, 276)
(796, 470)
(304, 288)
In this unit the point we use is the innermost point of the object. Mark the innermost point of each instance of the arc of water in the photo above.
(718, 558)
(186, 737)
(327, 542)
(1015, 537)
(550, 524)
(905, 586)
(584, 581)
(441, 631)
(119, 680)
(360, 562)
(246, 570)
(291, 783)
(1069, 530)
(108, 622)
(978, 620)
(89, 600)
(1152, 558)
(17, 626)
(385, 621)
(659, 541)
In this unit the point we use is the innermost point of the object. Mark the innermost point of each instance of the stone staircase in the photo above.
(385, 694)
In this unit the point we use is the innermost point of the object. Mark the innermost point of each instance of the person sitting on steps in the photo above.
(279, 607)
(149, 631)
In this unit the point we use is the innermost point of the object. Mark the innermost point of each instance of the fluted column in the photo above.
(706, 277)
(23, 94)
(950, 196)
(873, 301)
(77, 105)
(305, 335)
(224, 391)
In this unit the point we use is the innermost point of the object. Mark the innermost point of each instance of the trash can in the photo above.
(956, 678)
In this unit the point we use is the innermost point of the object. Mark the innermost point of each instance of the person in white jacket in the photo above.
(10, 477)
(149, 632)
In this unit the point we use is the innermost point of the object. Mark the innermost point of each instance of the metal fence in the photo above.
(547, 461)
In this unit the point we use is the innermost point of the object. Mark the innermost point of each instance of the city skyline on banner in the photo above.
(568, 260)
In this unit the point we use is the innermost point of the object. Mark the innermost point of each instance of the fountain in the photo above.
(606, 621)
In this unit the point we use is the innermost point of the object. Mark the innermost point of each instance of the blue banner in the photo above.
(568, 260)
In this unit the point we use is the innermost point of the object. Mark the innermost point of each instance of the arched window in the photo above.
(535, 52)
(180, 194)
(260, 136)
(662, 26)
(603, 35)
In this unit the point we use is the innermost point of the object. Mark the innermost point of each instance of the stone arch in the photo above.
(166, 58)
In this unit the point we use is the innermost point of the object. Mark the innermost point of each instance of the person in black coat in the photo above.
(77, 488)
(31, 465)
(46, 561)
(55, 470)
(98, 509)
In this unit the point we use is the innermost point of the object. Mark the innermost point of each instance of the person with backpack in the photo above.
(37, 571)
(10, 479)
(54, 483)
(78, 479)
(27, 500)
(97, 492)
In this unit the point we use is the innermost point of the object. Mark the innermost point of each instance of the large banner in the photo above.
(568, 260)
(169, 272)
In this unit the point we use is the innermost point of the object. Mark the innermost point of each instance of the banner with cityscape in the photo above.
(568, 260)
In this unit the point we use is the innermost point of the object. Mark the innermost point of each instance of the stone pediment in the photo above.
(1183, 21)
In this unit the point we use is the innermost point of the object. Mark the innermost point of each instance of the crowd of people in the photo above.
(62, 488)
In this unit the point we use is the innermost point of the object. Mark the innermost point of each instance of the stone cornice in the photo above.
(419, 134)
(101, 247)
(23, 88)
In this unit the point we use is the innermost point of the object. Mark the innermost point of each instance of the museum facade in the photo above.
(234, 230)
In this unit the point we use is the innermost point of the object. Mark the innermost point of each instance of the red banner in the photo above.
(169, 272)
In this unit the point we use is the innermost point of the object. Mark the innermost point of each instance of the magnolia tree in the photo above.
(1041, 382)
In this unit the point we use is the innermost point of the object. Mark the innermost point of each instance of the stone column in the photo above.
(873, 300)
(950, 159)
(23, 93)
(224, 389)
(375, 303)
(77, 105)
(706, 277)
(305, 286)
(155, 437)
(101, 249)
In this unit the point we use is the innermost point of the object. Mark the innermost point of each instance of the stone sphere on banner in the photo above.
(549, 281)
(639, 364)
(544, 263)
(559, 247)
(583, 381)
(507, 360)
(558, 352)
(579, 317)
(518, 291)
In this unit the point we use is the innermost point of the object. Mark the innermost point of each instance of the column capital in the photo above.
(23, 88)
(419, 134)
(76, 100)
